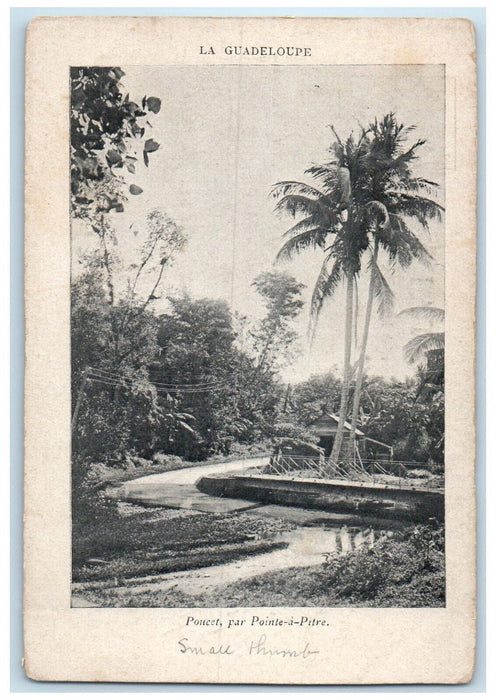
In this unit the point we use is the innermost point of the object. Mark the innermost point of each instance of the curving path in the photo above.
(176, 489)
(190, 475)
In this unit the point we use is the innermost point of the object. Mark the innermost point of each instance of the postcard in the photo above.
(250, 304)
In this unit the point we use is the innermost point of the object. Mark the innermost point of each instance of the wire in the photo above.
(120, 380)
(108, 374)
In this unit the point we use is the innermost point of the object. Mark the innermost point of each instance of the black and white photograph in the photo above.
(257, 335)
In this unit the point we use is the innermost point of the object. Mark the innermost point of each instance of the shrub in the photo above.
(395, 560)
(169, 462)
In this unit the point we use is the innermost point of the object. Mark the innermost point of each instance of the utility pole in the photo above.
(286, 398)
(79, 399)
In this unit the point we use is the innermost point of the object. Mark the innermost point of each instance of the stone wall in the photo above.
(415, 504)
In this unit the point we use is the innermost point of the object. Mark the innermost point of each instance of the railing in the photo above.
(348, 469)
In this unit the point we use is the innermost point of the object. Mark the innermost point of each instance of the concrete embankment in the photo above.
(407, 503)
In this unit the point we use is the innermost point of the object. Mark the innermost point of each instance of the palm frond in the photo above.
(303, 226)
(417, 347)
(281, 189)
(420, 184)
(382, 291)
(315, 238)
(326, 173)
(404, 158)
(325, 286)
(401, 244)
(338, 138)
(421, 208)
(427, 313)
(295, 203)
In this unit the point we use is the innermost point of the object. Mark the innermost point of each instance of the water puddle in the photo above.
(307, 546)
(315, 542)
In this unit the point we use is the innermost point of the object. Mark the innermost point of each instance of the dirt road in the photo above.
(192, 474)
(176, 489)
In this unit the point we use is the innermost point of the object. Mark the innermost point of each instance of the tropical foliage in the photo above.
(398, 414)
(179, 382)
(361, 200)
(402, 414)
(417, 348)
(195, 379)
(107, 138)
(274, 337)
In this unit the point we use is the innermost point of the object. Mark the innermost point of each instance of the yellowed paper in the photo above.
(268, 90)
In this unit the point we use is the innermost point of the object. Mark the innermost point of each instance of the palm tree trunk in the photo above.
(363, 350)
(338, 440)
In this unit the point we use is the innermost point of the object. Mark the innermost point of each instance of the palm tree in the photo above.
(397, 195)
(364, 193)
(420, 345)
(332, 222)
(430, 379)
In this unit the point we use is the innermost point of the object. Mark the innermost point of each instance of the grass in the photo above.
(404, 570)
(147, 541)
(164, 560)
(116, 544)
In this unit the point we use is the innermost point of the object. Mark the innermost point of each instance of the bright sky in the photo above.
(228, 133)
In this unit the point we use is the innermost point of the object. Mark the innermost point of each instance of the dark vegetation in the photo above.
(405, 569)
(409, 562)
(150, 541)
(393, 412)
(108, 133)
(357, 208)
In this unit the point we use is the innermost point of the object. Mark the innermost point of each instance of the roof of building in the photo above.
(333, 417)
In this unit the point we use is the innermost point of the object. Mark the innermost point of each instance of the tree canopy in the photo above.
(108, 134)
(361, 199)
(274, 336)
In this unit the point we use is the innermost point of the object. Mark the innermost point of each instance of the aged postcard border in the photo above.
(37, 600)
